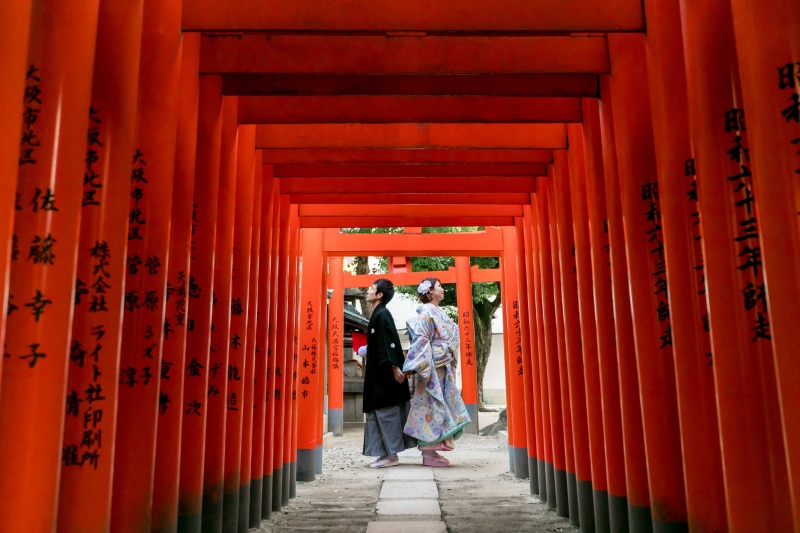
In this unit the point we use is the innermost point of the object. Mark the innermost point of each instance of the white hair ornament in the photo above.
(424, 287)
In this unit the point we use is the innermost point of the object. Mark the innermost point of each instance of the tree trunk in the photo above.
(362, 267)
(483, 313)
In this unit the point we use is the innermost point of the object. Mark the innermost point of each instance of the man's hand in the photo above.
(398, 374)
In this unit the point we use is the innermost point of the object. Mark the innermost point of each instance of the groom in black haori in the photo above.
(386, 394)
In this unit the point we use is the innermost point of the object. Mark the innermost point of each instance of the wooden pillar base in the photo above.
(520, 462)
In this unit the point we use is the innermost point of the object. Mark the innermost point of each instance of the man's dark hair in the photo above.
(385, 287)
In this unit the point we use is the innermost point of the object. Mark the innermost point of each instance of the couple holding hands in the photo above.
(436, 415)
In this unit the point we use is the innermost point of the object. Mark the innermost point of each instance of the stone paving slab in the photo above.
(409, 510)
(415, 526)
(404, 490)
(410, 473)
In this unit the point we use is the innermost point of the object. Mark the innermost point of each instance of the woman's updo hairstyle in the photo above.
(424, 289)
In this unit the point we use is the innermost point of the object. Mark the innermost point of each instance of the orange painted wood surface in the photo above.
(408, 170)
(774, 127)
(15, 25)
(410, 84)
(471, 15)
(41, 273)
(166, 483)
(739, 320)
(87, 448)
(343, 156)
(630, 406)
(200, 290)
(413, 136)
(384, 109)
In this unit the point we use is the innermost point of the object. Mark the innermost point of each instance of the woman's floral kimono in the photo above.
(438, 414)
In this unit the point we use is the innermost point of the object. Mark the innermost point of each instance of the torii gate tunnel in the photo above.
(167, 166)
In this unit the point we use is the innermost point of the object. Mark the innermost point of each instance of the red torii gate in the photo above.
(333, 247)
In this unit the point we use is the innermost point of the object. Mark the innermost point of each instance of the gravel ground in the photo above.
(476, 493)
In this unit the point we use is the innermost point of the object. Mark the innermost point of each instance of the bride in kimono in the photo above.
(438, 415)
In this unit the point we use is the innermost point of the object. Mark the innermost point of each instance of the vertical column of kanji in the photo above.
(43, 257)
(85, 496)
(598, 236)
(544, 445)
(515, 409)
(336, 347)
(705, 495)
(265, 354)
(644, 246)
(469, 379)
(638, 504)
(560, 370)
(517, 437)
(15, 24)
(768, 49)
(148, 248)
(246, 481)
(582, 481)
(292, 355)
(538, 486)
(200, 291)
(280, 341)
(588, 329)
(322, 348)
(744, 372)
(221, 342)
(556, 478)
(168, 435)
(239, 303)
(528, 339)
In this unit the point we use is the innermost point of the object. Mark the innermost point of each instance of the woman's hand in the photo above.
(398, 374)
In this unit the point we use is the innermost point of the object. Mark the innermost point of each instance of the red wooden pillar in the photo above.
(515, 352)
(168, 443)
(638, 501)
(705, 497)
(250, 423)
(768, 45)
(85, 496)
(281, 363)
(269, 336)
(583, 498)
(15, 24)
(292, 347)
(322, 349)
(149, 218)
(598, 235)
(649, 297)
(509, 373)
(544, 447)
(534, 380)
(309, 354)
(218, 369)
(528, 339)
(43, 256)
(561, 372)
(744, 372)
(261, 343)
(548, 357)
(238, 372)
(588, 328)
(469, 377)
(336, 347)
(200, 291)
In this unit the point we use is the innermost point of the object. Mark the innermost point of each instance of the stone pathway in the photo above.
(408, 501)
(474, 495)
